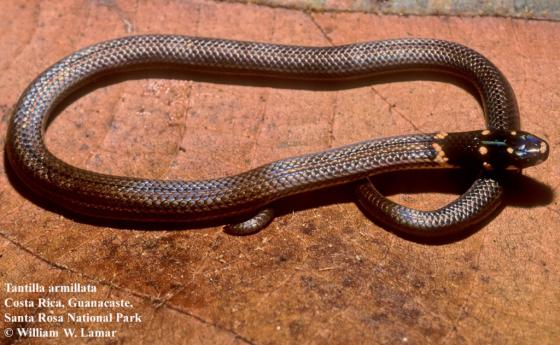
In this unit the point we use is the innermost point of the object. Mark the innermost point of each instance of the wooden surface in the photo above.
(322, 272)
(530, 9)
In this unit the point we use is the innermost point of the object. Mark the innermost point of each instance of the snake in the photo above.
(245, 201)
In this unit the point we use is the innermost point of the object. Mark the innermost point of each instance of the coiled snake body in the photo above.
(248, 194)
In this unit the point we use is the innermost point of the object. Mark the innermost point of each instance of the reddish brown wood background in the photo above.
(324, 274)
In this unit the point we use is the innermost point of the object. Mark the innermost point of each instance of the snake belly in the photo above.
(119, 197)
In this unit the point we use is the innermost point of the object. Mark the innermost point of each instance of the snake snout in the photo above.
(528, 149)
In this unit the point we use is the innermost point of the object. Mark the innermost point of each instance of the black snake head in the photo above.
(511, 150)
(493, 150)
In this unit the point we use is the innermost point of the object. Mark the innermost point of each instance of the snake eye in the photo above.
(529, 145)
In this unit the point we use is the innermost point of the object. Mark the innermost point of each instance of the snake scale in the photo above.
(248, 195)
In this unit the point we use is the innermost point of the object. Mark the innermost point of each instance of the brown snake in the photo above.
(249, 193)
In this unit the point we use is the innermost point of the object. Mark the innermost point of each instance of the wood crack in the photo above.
(392, 108)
